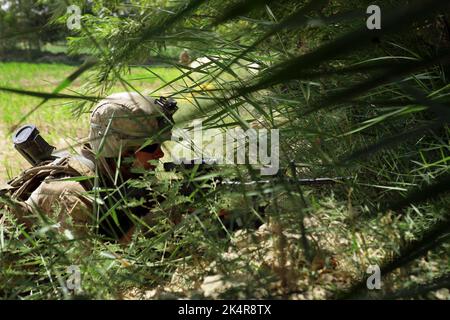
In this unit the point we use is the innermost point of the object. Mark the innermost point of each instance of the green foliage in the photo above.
(25, 24)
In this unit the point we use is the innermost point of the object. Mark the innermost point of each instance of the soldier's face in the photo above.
(142, 157)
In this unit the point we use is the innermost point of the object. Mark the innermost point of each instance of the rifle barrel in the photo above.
(310, 181)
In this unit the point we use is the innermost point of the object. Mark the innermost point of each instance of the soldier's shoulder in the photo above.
(64, 166)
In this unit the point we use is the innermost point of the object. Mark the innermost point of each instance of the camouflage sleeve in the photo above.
(63, 201)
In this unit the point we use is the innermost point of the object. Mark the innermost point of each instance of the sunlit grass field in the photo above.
(55, 119)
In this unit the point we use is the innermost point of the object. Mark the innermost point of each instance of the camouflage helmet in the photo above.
(127, 120)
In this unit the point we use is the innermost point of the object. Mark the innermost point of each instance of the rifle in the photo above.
(206, 166)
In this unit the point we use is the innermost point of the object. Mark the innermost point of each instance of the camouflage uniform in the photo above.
(119, 122)
(45, 189)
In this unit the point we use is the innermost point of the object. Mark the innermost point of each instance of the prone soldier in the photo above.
(71, 188)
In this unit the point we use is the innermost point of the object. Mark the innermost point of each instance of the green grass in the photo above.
(54, 48)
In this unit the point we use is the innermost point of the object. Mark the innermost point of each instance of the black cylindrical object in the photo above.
(31, 145)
